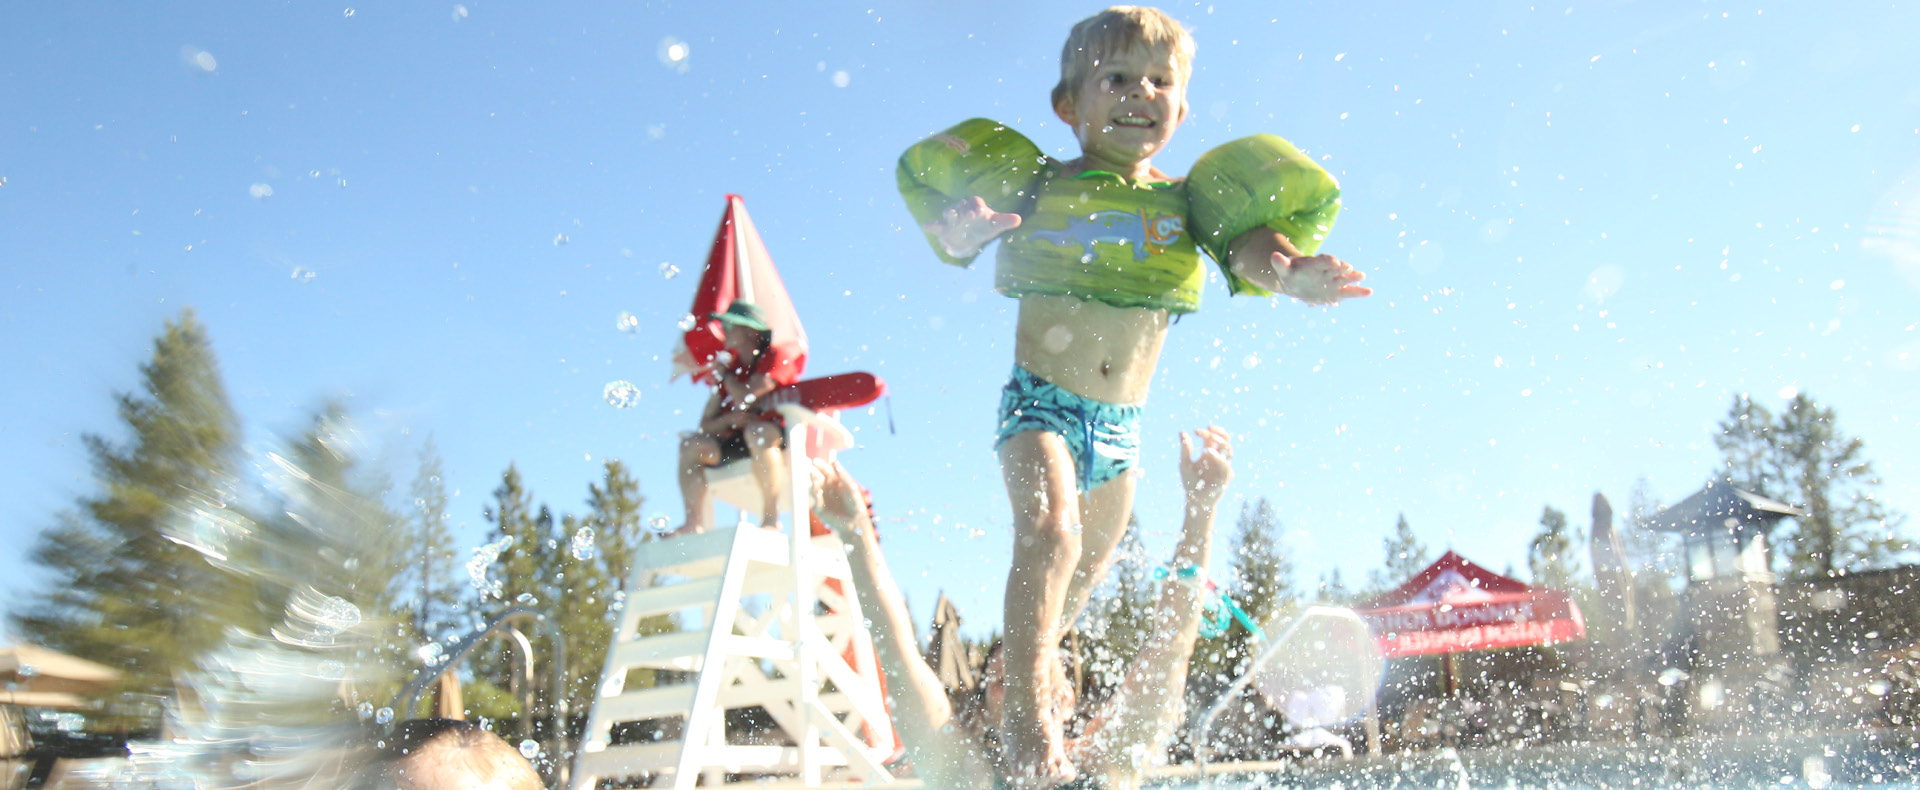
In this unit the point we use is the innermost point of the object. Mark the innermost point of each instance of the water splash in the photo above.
(482, 561)
(627, 322)
(582, 547)
(621, 394)
(669, 271)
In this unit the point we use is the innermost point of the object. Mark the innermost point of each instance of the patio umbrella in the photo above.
(738, 267)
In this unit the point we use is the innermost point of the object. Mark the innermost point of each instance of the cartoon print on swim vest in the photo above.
(1146, 235)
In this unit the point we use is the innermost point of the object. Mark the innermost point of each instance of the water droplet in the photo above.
(200, 59)
(1073, 529)
(459, 12)
(431, 653)
(27, 671)
(621, 394)
(1057, 338)
(383, 716)
(627, 322)
(347, 13)
(669, 270)
(560, 239)
(526, 598)
(674, 53)
(332, 670)
(687, 322)
(530, 749)
(365, 709)
(260, 191)
(841, 79)
(657, 523)
(583, 548)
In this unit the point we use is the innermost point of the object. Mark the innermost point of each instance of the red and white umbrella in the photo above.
(739, 267)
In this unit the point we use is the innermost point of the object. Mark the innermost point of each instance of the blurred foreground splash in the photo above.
(291, 703)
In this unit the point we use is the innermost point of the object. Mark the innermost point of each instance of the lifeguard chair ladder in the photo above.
(807, 659)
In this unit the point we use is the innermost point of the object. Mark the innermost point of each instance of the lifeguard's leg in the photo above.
(769, 469)
(1039, 474)
(698, 451)
(1103, 517)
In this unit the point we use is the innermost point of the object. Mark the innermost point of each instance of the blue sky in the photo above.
(1588, 227)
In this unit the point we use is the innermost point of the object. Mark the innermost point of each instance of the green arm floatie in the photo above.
(1259, 181)
(977, 158)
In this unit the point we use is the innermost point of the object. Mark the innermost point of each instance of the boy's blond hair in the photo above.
(1119, 29)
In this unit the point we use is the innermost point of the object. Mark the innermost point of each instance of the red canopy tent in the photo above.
(1455, 606)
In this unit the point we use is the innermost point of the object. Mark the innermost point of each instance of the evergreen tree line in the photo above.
(188, 540)
(189, 543)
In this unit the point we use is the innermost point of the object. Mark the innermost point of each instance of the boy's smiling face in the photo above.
(1125, 109)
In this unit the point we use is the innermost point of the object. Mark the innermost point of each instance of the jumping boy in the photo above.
(1101, 251)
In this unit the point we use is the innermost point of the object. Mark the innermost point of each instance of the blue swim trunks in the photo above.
(1104, 438)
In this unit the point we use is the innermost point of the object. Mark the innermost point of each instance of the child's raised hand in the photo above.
(836, 498)
(968, 225)
(1319, 279)
(1206, 476)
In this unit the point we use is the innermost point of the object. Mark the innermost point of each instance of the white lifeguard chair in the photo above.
(806, 658)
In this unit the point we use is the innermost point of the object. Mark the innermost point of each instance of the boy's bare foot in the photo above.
(1036, 755)
(684, 529)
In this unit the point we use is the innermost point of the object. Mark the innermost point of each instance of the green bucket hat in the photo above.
(743, 313)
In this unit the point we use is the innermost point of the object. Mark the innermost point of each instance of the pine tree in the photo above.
(516, 576)
(344, 536)
(614, 533)
(1333, 589)
(435, 598)
(1654, 557)
(1802, 458)
(1404, 555)
(134, 586)
(614, 505)
(1747, 448)
(1826, 475)
(1119, 619)
(1551, 557)
(1261, 582)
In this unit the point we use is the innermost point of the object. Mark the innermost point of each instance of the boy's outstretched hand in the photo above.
(968, 225)
(1267, 259)
(1207, 475)
(1318, 279)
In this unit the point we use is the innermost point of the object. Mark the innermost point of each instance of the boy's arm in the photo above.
(1266, 258)
(921, 710)
(1148, 699)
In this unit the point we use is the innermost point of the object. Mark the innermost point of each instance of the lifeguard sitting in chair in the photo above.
(738, 423)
